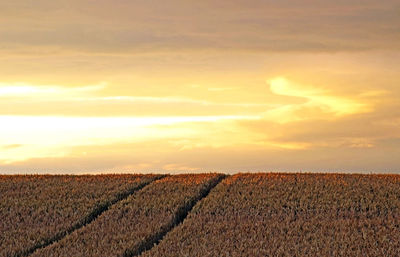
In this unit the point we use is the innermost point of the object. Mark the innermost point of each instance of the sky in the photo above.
(180, 86)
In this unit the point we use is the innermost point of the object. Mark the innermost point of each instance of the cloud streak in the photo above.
(25, 90)
(317, 103)
(87, 101)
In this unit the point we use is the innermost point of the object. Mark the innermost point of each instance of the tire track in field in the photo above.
(88, 219)
(179, 217)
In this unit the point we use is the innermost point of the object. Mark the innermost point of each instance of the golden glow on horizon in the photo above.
(41, 137)
(55, 136)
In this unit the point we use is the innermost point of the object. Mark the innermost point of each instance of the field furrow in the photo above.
(35, 211)
(291, 215)
(136, 223)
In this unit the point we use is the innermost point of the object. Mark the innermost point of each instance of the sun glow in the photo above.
(44, 136)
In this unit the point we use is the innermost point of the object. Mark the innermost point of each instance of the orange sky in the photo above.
(176, 86)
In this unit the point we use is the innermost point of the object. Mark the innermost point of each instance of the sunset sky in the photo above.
(197, 86)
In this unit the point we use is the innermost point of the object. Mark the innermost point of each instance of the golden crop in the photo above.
(265, 214)
(292, 215)
(134, 224)
(36, 210)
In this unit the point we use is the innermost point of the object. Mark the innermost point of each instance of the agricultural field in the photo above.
(137, 222)
(264, 214)
(292, 215)
(37, 210)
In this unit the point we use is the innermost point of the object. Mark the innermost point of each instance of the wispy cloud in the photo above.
(26, 90)
(318, 104)
(11, 146)
(94, 100)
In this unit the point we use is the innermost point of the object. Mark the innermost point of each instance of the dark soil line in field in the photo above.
(179, 217)
(88, 219)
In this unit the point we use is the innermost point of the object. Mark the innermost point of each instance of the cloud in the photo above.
(25, 90)
(317, 104)
(11, 146)
(359, 142)
(17, 153)
(322, 126)
(373, 131)
(52, 100)
(315, 26)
